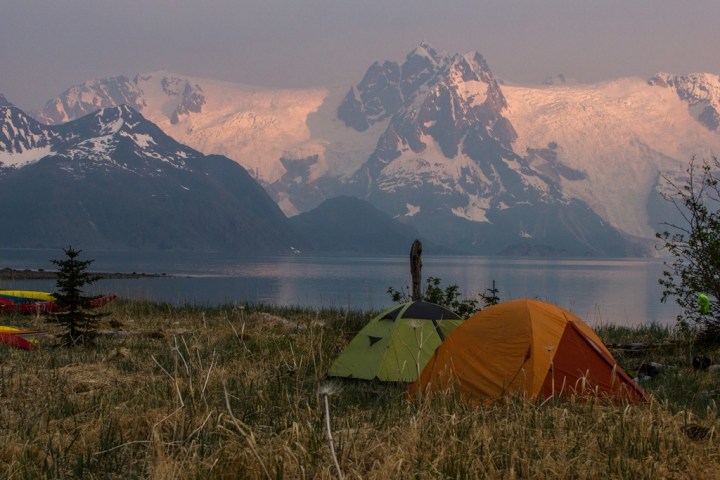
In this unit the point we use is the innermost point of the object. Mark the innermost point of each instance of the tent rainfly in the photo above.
(395, 345)
(529, 348)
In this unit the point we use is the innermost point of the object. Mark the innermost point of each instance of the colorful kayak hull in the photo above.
(27, 308)
(32, 294)
(16, 299)
(10, 330)
(16, 341)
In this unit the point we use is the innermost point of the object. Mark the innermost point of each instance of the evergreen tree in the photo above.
(73, 306)
(490, 296)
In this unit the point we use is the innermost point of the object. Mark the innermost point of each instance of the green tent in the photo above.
(396, 345)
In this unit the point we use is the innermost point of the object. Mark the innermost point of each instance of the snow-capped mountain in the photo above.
(701, 91)
(20, 136)
(112, 179)
(282, 137)
(446, 163)
(620, 134)
(439, 143)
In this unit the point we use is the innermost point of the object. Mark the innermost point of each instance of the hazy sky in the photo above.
(46, 46)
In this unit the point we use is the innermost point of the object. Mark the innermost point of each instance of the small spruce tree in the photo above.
(73, 306)
(490, 296)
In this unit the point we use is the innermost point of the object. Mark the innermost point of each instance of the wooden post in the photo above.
(415, 268)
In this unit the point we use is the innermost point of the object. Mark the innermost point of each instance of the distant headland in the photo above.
(27, 274)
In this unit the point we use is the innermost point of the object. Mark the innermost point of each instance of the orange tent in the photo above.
(526, 347)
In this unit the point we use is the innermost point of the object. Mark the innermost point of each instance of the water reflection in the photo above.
(600, 291)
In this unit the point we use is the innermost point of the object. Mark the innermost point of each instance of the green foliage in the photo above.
(694, 245)
(450, 297)
(73, 306)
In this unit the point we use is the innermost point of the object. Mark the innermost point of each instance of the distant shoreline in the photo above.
(27, 274)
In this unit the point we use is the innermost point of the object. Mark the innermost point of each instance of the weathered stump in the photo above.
(415, 269)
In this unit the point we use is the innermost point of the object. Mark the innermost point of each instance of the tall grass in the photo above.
(240, 392)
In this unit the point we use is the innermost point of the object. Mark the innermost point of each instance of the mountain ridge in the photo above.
(112, 179)
(475, 145)
(349, 225)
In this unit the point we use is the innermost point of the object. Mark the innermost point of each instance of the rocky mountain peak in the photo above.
(192, 101)
(122, 132)
(471, 79)
(459, 96)
(420, 66)
(4, 102)
(114, 180)
(90, 96)
(469, 67)
(107, 122)
(559, 79)
(178, 92)
(18, 133)
(104, 137)
(111, 120)
(700, 90)
(424, 50)
(388, 88)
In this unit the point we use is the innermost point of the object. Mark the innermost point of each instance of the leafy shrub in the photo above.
(693, 241)
(450, 297)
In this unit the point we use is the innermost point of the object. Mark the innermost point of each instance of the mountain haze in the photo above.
(437, 142)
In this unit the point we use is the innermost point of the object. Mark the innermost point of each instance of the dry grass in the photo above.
(239, 393)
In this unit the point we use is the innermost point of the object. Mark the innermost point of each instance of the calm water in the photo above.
(623, 291)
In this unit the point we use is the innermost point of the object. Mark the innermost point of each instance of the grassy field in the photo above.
(241, 393)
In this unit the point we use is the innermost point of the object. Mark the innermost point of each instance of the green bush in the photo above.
(450, 297)
(692, 276)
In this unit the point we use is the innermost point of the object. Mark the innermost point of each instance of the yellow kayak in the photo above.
(11, 336)
(6, 329)
(30, 294)
(18, 331)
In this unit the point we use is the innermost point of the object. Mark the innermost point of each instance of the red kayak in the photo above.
(16, 341)
(50, 307)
